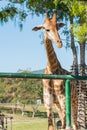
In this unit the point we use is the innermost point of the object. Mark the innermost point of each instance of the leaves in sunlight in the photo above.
(12, 12)
(80, 32)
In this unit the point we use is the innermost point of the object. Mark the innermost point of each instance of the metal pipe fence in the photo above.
(51, 76)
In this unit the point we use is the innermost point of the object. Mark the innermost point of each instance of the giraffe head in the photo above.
(51, 28)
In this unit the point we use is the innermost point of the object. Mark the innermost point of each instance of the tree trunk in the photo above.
(82, 58)
(75, 58)
(82, 119)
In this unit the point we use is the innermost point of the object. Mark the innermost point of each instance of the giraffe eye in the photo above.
(47, 30)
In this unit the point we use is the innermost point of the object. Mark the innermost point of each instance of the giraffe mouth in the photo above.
(59, 44)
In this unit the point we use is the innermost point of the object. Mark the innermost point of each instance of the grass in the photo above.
(27, 123)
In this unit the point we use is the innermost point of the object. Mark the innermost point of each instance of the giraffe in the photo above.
(54, 90)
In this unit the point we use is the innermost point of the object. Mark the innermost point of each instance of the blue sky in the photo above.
(23, 49)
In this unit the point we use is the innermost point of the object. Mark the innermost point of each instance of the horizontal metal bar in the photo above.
(41, 76)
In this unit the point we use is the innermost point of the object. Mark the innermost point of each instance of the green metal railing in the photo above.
(51, 76)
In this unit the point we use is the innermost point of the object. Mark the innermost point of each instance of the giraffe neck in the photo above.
(53, 63)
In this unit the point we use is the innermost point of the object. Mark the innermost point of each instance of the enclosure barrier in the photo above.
(51, 76)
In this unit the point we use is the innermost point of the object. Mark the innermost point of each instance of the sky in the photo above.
(23, 49)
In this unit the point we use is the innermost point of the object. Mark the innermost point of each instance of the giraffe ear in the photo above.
(60, 25)
(37, 28)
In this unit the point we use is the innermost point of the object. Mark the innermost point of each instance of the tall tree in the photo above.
(67, 9)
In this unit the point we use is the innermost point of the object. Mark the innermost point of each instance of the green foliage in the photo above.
(18, 9)
(77, 8)
(12, 11)
(80, 32)
(56, 3)
(40, 6)
(17, 1)
(78, 12)
(23, 90)
(66, 9)
(6, 13)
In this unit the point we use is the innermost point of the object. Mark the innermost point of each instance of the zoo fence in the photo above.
(51, 76)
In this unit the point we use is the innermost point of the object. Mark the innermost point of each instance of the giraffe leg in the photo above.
(48, 101)
(50, 120)
(58, 108)
(63, 109)
(60, 115)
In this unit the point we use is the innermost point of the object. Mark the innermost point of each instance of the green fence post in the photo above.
(68, 104)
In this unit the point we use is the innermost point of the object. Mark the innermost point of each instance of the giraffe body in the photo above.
(54, 90)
